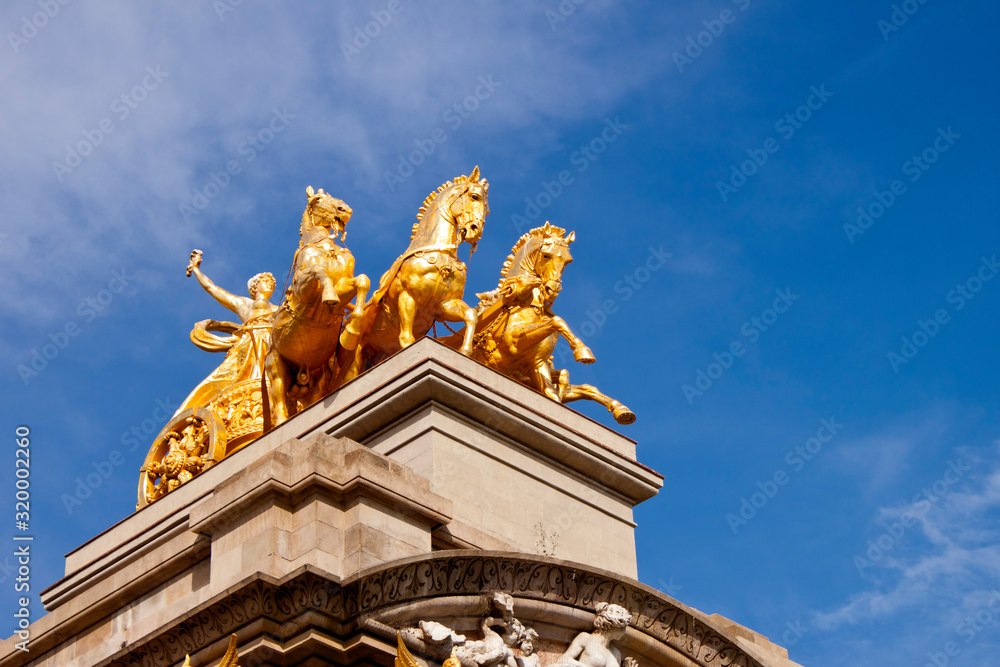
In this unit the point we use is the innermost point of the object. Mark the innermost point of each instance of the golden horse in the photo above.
(427, 282)
(517, 330)
(311, 346)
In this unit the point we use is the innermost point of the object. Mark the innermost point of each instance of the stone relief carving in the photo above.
(654, 615)
(595, 649)
(493, 649)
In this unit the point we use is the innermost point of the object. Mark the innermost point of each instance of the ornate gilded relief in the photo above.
(192, 441)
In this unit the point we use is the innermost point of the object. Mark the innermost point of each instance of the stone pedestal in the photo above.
(412, 493)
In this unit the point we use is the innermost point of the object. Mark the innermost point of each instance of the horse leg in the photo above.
(331, 299)
(527, 335)
(575, 392)
(407, 312)
(581, 352)
(457, 310)
(523, 336)
(358, 286)
(279, 380)
(543, 380)
(319, 381)
(349, 363)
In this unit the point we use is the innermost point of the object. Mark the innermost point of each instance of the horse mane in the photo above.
(487, 299)
(458, 180)
(307, 226)
(537, 232)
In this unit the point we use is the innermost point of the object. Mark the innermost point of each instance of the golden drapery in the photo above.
(245, 347)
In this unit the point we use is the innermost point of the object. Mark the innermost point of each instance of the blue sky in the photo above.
(740, 138)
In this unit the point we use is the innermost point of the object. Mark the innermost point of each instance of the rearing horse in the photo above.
(311, 348)
(427, 282)
(518, 331)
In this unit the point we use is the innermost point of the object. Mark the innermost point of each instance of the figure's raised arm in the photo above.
(230, 301)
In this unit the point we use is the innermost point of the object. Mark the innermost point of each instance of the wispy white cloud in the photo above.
(879, 460)
(939, 552)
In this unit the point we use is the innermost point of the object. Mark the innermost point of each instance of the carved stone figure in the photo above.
(528, 645)
(427, 282)
(595, 649)
(312, 347)
(489, 651)
(492, 650)
(436, 633)
(517, 330)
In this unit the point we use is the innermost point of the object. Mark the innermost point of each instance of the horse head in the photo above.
(542, 254)
(551, 258)
(453, 213)
(325, 215)
(469, 207)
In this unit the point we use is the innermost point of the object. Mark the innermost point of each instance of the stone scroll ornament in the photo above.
(494, 649)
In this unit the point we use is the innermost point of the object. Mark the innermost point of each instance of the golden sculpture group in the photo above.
(283, 358)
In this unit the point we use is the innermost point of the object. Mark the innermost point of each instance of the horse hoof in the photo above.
(623, 415)
(584, 355)
(331, 303)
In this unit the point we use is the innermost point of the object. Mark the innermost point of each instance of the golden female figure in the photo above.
(245, 346)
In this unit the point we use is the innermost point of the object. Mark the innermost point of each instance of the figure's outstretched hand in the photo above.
(630, 662)
(194, 262)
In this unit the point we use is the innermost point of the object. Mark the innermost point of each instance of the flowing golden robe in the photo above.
(245, 349)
